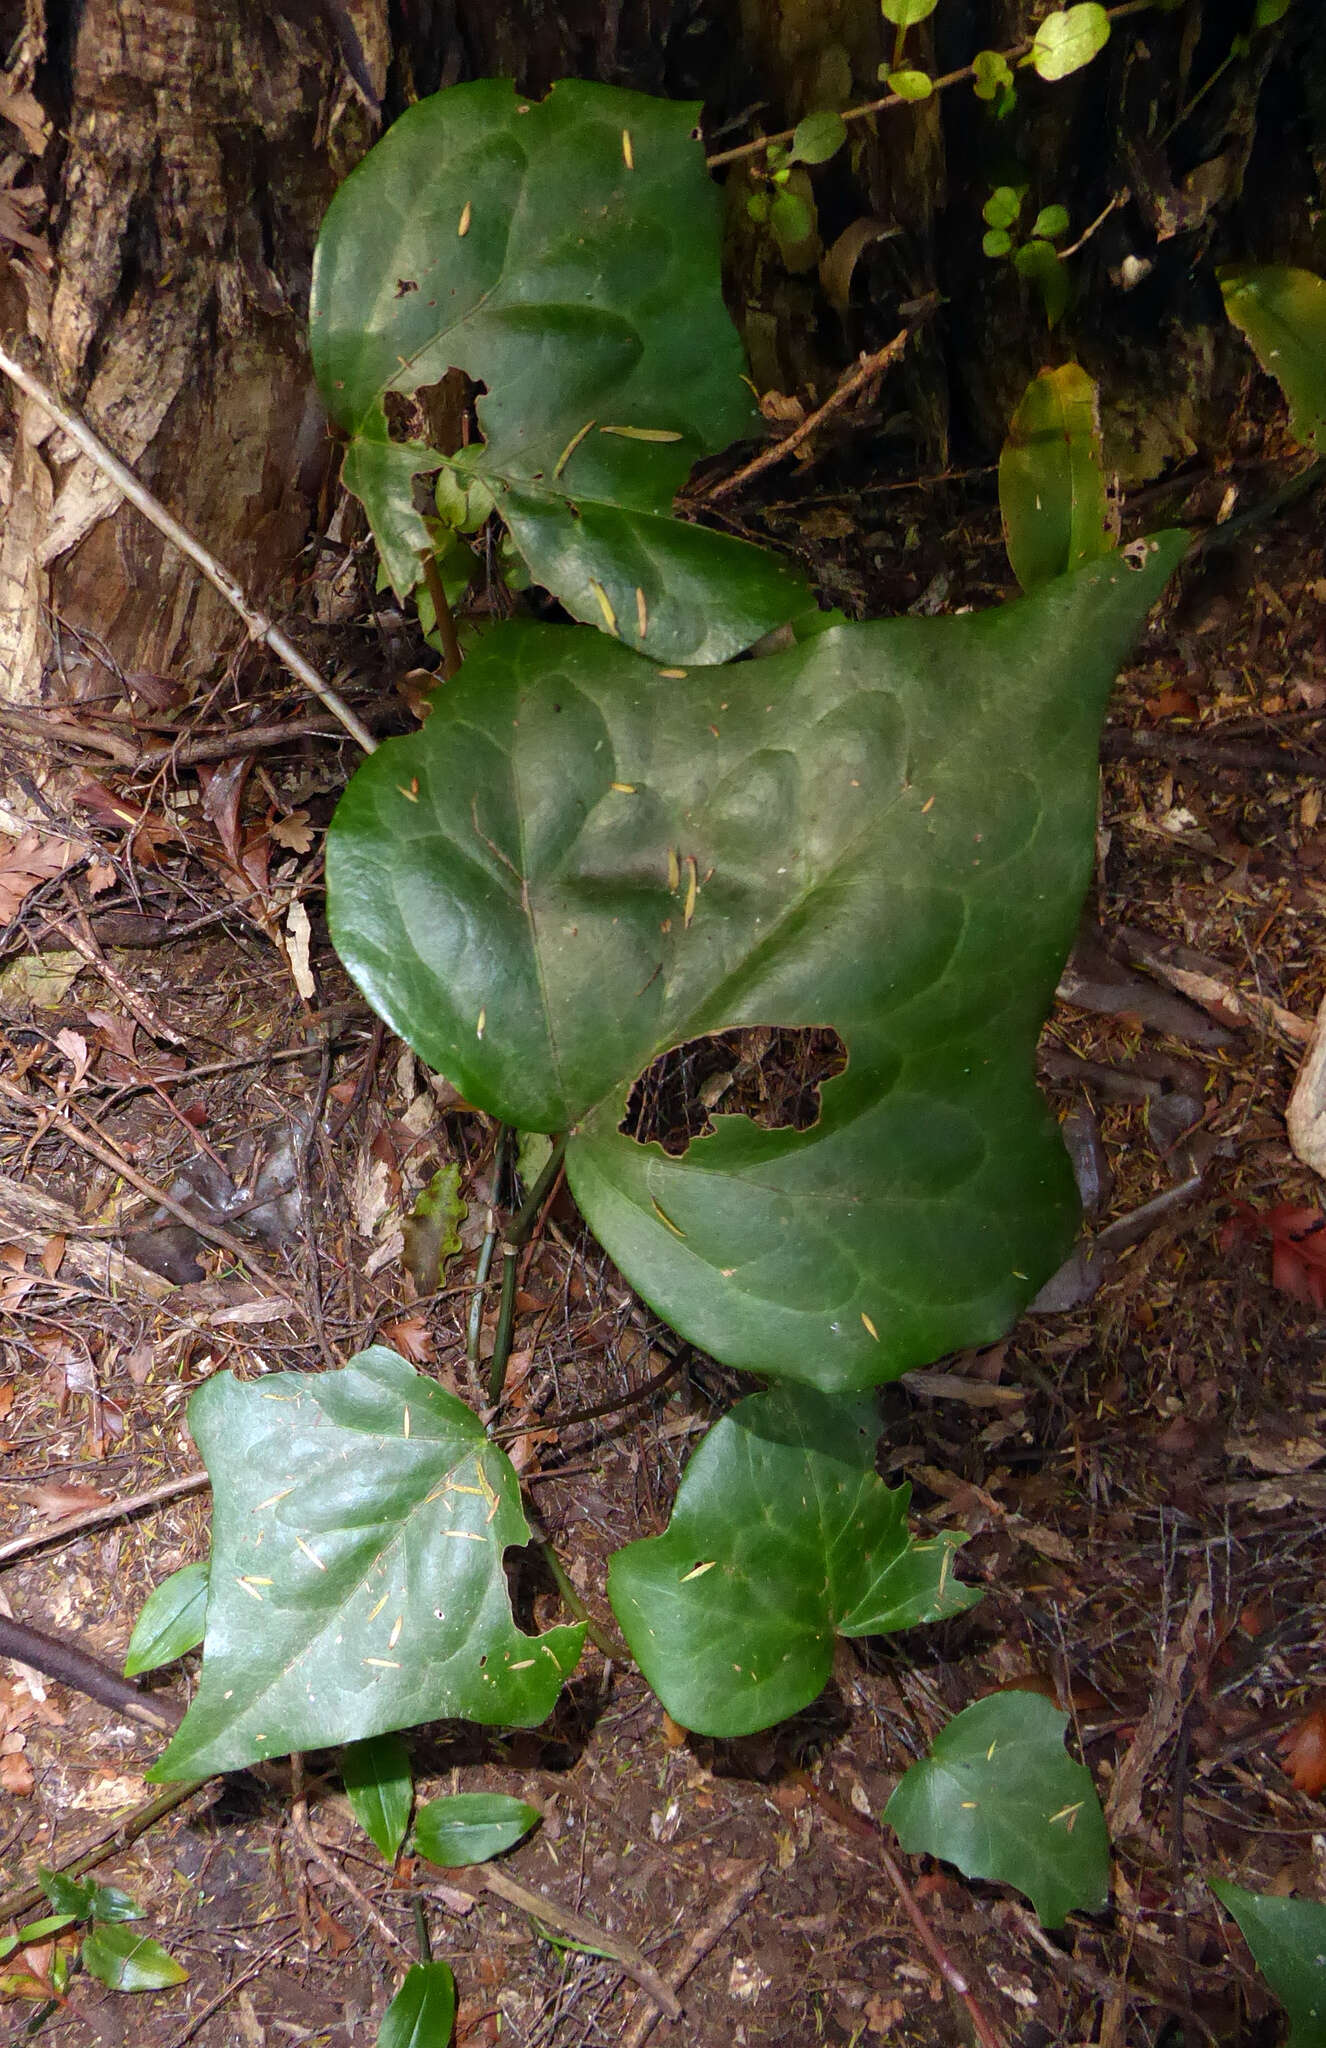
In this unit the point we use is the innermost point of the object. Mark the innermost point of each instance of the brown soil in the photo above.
(1141, 1478)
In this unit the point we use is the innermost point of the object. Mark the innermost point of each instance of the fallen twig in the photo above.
(867, 367)
(259, 625)
(308, 1841)
(66, 1662)
(706, 1937)
(14, 1904)
(577, 1928)
(109, 1155)
(95, 1518)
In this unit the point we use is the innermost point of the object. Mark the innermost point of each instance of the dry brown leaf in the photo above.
(16, 1776)
(411, 1336)
(294, 832)
(1304, 1752)
(52, 1252)
(26, 862)
(55, 1500)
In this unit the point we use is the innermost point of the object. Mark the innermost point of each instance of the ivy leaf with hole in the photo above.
(565, 255)
(1288, 1939)
(782, 1538)
(999, 1796)
(580, 862)
(359, 1523)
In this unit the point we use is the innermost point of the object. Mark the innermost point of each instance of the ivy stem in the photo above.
(603, 1638)
(892, 99)
(444, 618)
(515, 1237)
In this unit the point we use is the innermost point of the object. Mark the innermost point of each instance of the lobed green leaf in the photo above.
(782, 1537)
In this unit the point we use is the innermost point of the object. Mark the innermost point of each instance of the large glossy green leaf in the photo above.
(579, 862)
(1288, 1939)
(359, 1523)
(1282, 312)
(172, 1622)
(1052, 496)
(999, 1796)
(423, 2012)
(380, 1787)
(783, 1536)
(565, 254)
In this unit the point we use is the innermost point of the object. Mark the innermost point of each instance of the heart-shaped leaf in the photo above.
(472, 1827)
(172, 1622)
(1052, 495)
(423, 2012)
(380, 1786)
(1069, 39)
(1282, 312)
(359, 1522)
(565, 254)
(579, 862)
(1288, 1939)
(999, 1796)
(783, 1536)
(126, 1961)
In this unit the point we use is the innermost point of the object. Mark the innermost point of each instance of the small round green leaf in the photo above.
(783, 1536)
(999, 1796)
(380, 1785)
(1003, 206)
(818, 137)
(757, 206)
(471, 1827)
(172, 1622)
(906, 13)
(126, 1961)
(1039, 263)
(423, 2012)
(1068, 40)
(791, 219)
(1268, 12)
(1282, 313)
(996, 242)
(911, 85)
(992, 73)
(1051, 222)
(1288, 1939)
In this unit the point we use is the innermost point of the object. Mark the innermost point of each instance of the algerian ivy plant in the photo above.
(609, 838)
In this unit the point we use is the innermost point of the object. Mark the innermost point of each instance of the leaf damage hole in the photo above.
(771, 1073)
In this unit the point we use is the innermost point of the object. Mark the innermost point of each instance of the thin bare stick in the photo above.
(226, 1993)
(68, 1663)
(110, 1156)
(706, 1937)
(867, 368)
(309, 1843)
(13, 1905)
(76, 930)
(987, 2033)
(893, 99)
(564, 1921)
(95, 1518)
(260, 626)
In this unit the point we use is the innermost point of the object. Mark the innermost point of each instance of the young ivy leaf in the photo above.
(818, 137)
(1282, 313)
(1003, 206)
(380, 1786)
(991, 74)
(1051, 222)
(423, 2012)
(565, 254)
(910, 85)
(359, 1524)
(1288, 1940)
(126, 1961)
(1052, 495)
(1068, 40)
(999, 1796)
(172, 1622)
(579, 862)
(906, 13)
(782, 1537)
(472, 1827)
